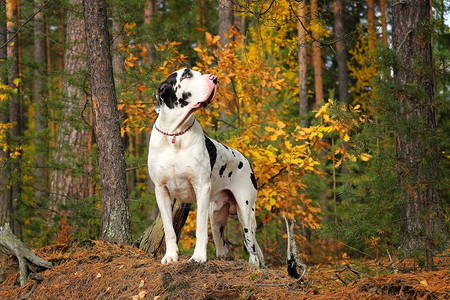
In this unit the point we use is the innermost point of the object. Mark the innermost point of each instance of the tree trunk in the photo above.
(316, 53)
(152, 240)
(371, 28)
(226, 19)
(302, 67)
(384, 33)
(115, 209)
(5, 199)
(40, 123)
(15, 116)
(117, 59)
(71, 149)
(417, 152)
(341, 51)
(150, 10)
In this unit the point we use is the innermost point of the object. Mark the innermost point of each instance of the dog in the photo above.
(186, 165)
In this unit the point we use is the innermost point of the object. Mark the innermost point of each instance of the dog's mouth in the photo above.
(208, 100)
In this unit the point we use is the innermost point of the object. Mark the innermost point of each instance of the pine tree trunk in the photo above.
(71, 149)
(316, 53)
(226, 19)
(417, 152)
(371, 28)
(15, 116)
(115, 209)
(341, 51)
(302, 66)
(150, 10)
(40, 117)
(384, 32)
(5, 200)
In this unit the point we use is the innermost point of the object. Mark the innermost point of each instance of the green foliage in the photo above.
(258, 99)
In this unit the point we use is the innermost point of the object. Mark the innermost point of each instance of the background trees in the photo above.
(278, 66)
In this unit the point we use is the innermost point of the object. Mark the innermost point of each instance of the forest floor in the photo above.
(99, 270)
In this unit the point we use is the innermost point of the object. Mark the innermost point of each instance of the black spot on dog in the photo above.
(240, 165)
(246, 202)
(183, 103)
(245, 230)
(229, 174)
(222, 169)
(254, 248)
(226, 147)
(186, 74)
(253, 209)
(166, 91)
(252, 177)
(185, 96)
(232, 152)
(212, 152)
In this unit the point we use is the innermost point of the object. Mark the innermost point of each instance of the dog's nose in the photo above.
(213, 78)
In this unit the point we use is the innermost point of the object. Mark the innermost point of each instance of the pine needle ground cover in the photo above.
(90, 269)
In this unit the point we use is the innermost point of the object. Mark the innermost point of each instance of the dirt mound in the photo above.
(100, 270)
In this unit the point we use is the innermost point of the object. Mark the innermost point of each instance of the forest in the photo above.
(341, 106)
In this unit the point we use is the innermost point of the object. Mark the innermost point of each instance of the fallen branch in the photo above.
(339, 277)
(392, 262)
(292, 257)
(10, 244)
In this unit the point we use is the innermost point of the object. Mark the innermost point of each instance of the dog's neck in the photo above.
(174, 121)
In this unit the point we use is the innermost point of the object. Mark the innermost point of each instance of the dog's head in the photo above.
(187, 88)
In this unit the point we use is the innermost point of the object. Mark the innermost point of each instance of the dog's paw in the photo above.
(198, 258)
(169, 258)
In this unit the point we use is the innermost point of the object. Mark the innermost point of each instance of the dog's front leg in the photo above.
(203, 197)
(165, 209)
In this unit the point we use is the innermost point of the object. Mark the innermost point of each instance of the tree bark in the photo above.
(40, 116)
(341, 51)
(302, 67)
(371, 28)
(384, 33)
(5, 200)
(316, 53)
(115, 208)
(152, 240)
(15, 116)
(11, 244)
(70, 179)
(417, 152)
(226, 19)
(150, 10)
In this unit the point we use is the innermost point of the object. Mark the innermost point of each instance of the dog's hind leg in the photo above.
(218, 213)
(246, 214)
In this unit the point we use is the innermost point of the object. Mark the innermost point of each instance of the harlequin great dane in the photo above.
(186, 165)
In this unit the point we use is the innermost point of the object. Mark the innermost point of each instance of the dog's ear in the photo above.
(158, 103)
(166, 94)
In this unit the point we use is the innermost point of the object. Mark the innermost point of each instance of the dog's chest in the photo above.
(180, 171)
